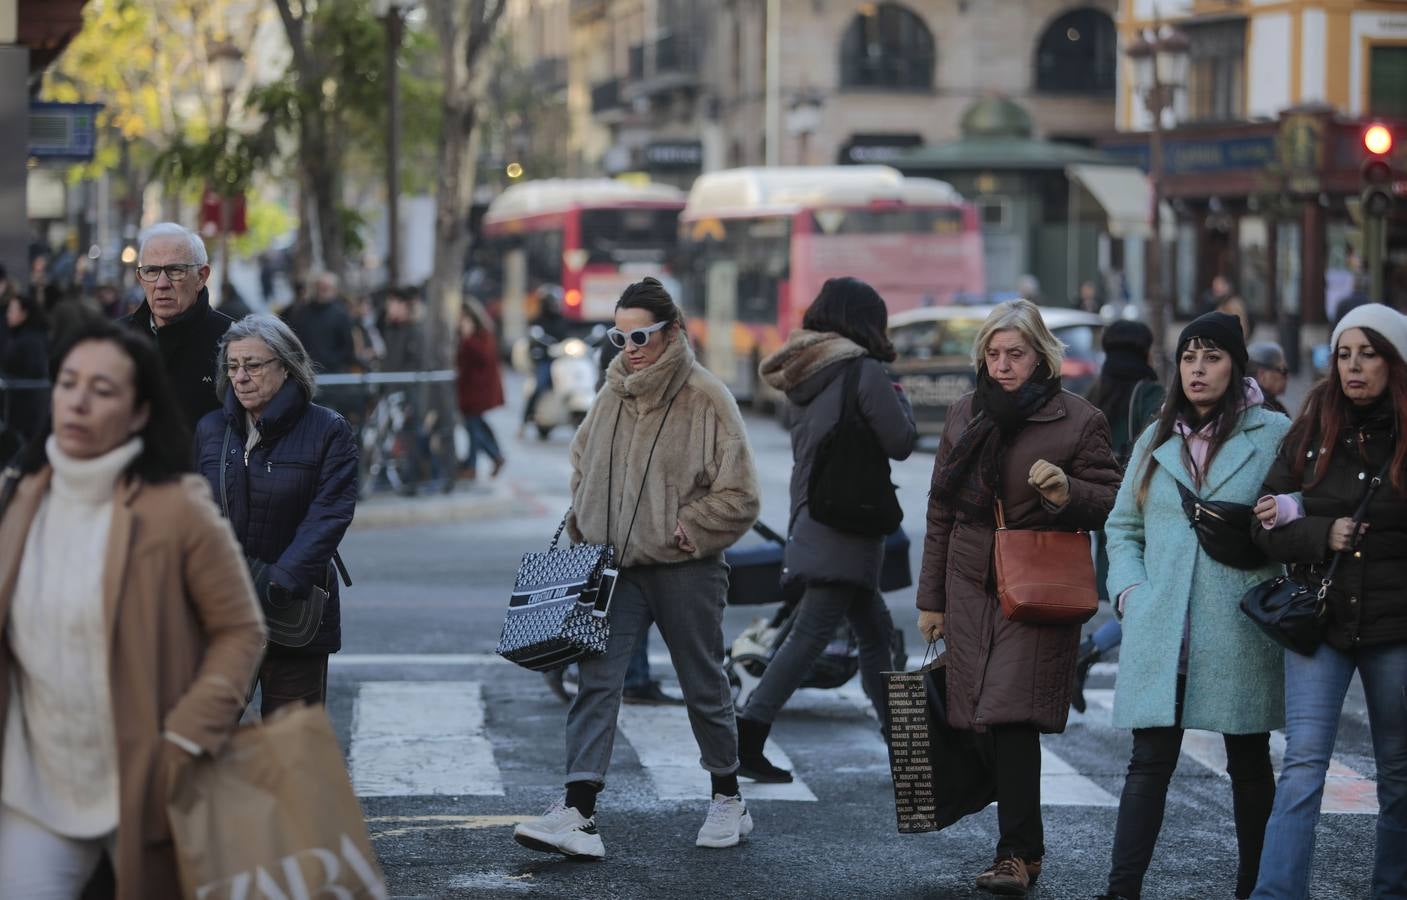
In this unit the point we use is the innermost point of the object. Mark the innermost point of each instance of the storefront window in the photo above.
(1254, 276)
(1287, 243)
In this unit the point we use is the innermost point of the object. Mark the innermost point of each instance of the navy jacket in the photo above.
(293, 500)
(189, 346)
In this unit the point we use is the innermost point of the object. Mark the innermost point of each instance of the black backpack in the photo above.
(850, 489)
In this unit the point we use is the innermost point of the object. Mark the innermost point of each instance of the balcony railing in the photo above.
(674, 55)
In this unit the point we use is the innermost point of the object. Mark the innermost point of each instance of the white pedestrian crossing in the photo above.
(430, 738)
(422, 738)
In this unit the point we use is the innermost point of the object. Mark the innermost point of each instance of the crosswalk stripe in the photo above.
(664, 744)
(422, 738)
(1062, 785)
(1346, 792)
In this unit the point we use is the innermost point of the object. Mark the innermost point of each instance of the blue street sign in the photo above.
(64, 131)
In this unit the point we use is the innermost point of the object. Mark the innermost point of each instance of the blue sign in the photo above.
(1191, 157)
(63, 131)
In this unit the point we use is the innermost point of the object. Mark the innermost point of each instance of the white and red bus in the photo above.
(590, 237)
(756, 245)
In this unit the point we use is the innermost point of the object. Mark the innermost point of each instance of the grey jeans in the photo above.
(686, 602)
(823, 607)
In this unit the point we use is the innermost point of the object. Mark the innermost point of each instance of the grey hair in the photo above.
(1265, 355)
(1023, 317)
(286, 347)
(174, 230)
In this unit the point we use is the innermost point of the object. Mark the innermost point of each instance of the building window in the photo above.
(887, 46)
(1387, 73)
(994, 213)
(1078, 54)
(1216, 78)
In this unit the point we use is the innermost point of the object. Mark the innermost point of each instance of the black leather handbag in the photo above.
(1293, 614)
(1223, 530)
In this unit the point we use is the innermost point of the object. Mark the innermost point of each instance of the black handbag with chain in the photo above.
(1293, 614)
(558, 611)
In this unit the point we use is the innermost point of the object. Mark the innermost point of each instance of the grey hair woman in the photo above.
(284, 470)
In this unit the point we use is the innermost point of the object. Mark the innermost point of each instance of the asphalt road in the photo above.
(449, 747)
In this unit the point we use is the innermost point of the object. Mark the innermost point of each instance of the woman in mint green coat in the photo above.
(1190, 659)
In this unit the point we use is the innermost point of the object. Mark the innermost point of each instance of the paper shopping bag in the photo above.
(940, 774)
(273, 815)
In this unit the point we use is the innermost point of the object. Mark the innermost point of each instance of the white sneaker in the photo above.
(728, 822)
(562, 830)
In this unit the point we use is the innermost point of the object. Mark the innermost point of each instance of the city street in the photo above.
(449, 747)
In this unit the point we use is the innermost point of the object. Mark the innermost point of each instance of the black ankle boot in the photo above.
(752, 737)
(1085, 658)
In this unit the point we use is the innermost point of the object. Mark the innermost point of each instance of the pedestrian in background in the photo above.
(173, 267)
(1129, 394)
(129, 624)
(1266, 364)
(24, 355)
(1044, 455)
(480, 387)
(662, 471)
(285, 471)
(1189, 658)
(846, 326)
(547, 328)
(324, 327)
(1350, 429)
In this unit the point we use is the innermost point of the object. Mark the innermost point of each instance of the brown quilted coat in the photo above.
(1002, 672)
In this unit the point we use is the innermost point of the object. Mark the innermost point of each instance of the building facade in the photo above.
(1262, 149)
(672, 88)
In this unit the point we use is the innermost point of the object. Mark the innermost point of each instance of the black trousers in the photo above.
(1018, 770)
(1155, 754)
(285, 678)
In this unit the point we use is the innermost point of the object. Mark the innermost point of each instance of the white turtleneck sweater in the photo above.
(60, 753)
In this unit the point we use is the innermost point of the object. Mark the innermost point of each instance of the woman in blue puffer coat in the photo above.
(284, 471)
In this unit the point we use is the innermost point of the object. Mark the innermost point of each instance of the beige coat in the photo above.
(185, 636)
(702, 475)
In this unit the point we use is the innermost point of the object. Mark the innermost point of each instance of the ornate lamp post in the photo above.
(1159, 64)
(229, 66)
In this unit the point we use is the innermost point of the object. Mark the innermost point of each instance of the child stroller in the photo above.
(756, 579)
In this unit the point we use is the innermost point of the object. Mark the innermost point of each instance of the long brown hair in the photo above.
(1326, 413)
(1226, 415)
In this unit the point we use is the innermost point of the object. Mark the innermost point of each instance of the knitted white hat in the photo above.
(1385, 320)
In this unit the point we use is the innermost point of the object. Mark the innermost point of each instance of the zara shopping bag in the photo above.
(940, 774)
(273, 815)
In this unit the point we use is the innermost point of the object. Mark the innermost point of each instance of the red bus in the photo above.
(591, 237)
(756, 245)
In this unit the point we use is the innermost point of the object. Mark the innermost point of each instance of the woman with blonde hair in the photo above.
(1044, 455)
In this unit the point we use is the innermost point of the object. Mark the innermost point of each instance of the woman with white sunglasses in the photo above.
(661, 470)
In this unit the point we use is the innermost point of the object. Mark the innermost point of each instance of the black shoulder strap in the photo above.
(224, 452)
(850, 392)
(1358, 514)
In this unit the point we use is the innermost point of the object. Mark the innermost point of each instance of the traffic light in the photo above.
(1376, 170)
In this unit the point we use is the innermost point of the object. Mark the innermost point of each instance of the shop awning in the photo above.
(1124, 192)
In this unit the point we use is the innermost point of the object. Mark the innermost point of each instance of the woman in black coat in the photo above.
(25, 356)
(844, 328)
(1349, 433)
(285, 472)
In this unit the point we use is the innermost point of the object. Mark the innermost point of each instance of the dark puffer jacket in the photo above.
(1366, 603)
(293, 500)
(189, 346)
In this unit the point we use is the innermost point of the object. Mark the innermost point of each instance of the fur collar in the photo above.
(653, 386)
(804, 354)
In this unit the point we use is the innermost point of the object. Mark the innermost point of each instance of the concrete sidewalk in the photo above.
(469, 500)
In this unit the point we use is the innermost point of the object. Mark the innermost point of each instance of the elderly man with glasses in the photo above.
(1267, 366)
(173, 268)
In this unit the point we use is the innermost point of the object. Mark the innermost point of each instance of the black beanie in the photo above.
(1220, 328)
(1123, 334)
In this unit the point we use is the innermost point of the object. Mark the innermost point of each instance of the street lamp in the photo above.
(1159, 63)
(229, 68)
(393, 11)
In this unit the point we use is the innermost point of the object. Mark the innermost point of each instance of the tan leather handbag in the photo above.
(1044, 577)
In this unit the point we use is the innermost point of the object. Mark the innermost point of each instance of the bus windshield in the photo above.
(888, 221)
(624, 236)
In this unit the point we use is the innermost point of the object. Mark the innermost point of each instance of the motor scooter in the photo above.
(573, 369)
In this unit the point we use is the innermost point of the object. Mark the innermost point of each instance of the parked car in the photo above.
(935, 354)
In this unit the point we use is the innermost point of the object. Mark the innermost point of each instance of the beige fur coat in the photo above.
(702, 475)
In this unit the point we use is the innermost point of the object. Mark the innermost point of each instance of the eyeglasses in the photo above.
(252, 366)
(639, 336)
(175, 273)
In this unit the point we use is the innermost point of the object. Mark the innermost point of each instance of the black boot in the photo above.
(752, 737)
(1084, 660)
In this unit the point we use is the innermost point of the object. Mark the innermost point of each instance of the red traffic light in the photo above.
(1377, 139)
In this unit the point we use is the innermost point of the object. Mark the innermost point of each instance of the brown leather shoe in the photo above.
(1007, 876)
(1033, 869)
